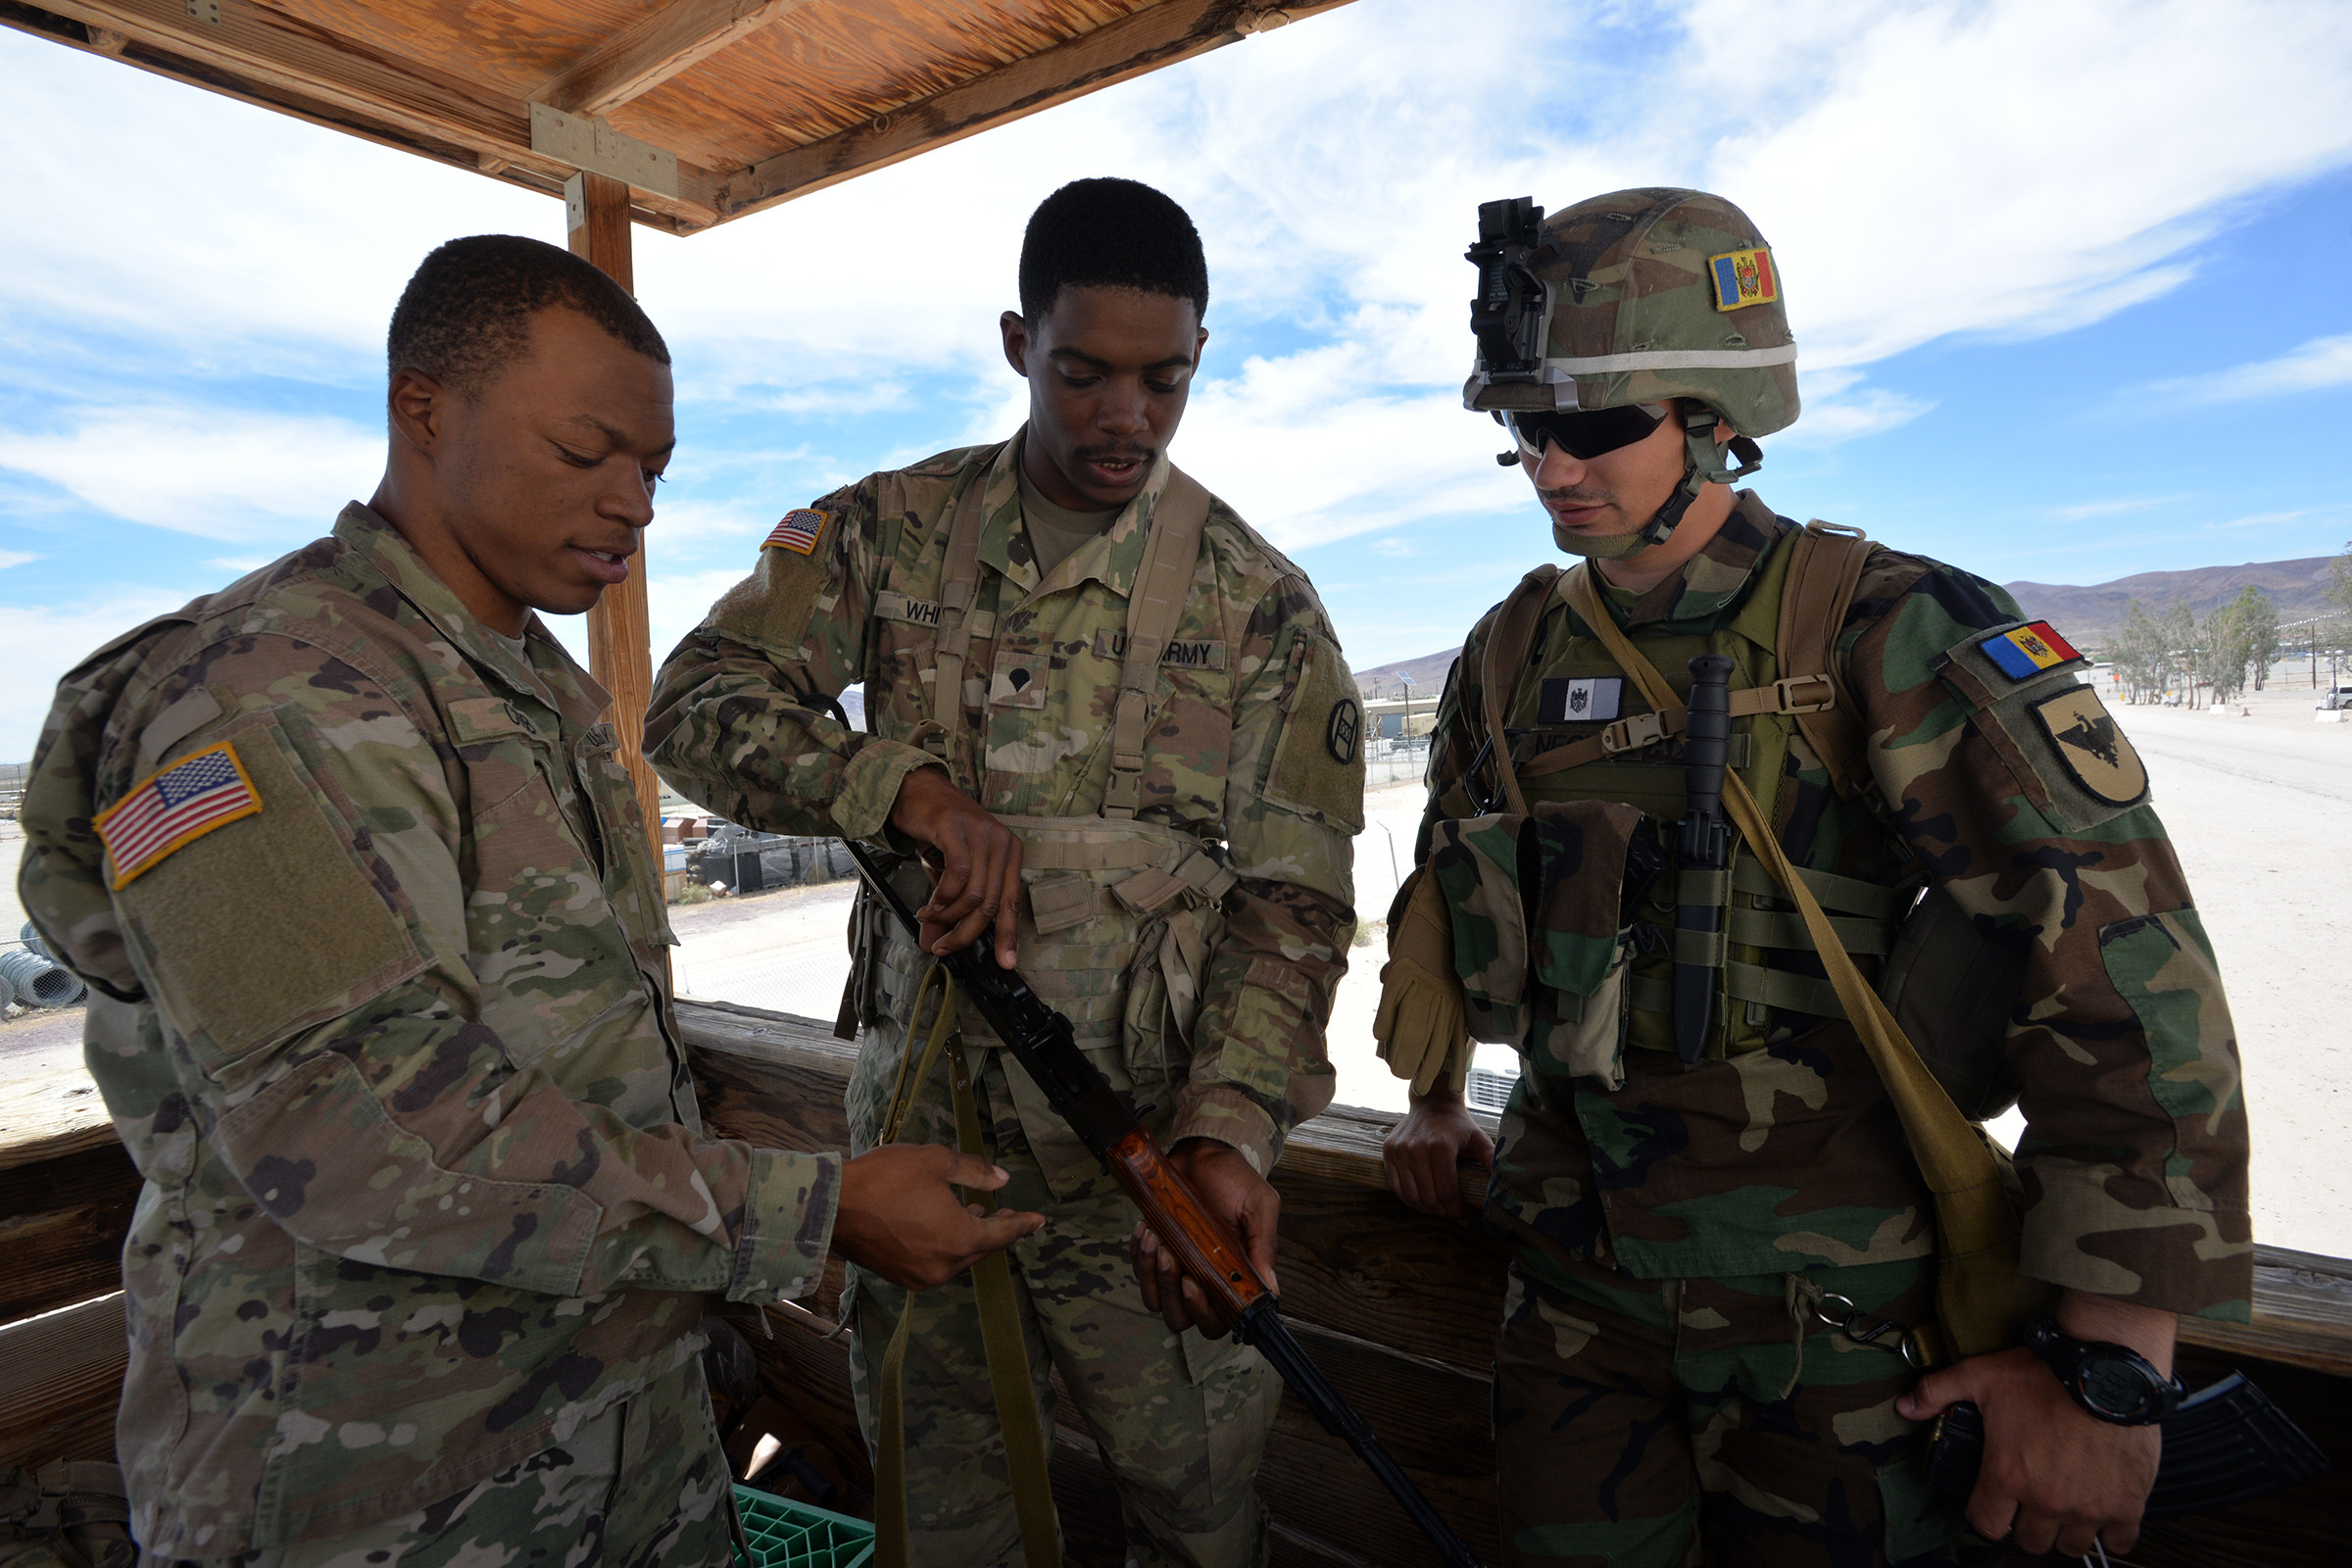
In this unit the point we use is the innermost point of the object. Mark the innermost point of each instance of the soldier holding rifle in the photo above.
(1115, 725)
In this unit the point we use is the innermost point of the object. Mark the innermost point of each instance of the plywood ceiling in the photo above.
(758, 100)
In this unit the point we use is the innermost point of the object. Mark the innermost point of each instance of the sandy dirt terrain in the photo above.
(2259, 804)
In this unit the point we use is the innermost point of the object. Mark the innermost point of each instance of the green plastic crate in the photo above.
(793, 1534)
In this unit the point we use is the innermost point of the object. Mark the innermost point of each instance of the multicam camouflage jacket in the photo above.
(382, 1012)
(1241, 750)
(1993, 773)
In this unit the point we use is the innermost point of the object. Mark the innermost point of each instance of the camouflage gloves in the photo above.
(1420, 1026)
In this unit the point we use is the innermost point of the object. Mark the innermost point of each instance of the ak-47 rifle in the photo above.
(1041, 1041)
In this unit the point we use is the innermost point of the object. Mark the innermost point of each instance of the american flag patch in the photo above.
(798, 532)
(195, 795)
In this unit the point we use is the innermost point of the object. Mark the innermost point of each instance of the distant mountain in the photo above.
(1427, 674)
(2092, 614)
(2084, 614)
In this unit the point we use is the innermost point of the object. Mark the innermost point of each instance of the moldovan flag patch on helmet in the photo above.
(175, 807)
(1744, 278)
(2028, 649)
(798, 532)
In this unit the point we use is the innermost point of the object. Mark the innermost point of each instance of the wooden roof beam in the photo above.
(654, 48)
(1136, 44)
(264, 56)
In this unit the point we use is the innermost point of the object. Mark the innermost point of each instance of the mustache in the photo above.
(1575, 495)
(1116, 454)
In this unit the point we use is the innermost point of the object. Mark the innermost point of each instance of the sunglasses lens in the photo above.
(1584, 433)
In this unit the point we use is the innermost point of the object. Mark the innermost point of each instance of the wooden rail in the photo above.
(1398, 1309)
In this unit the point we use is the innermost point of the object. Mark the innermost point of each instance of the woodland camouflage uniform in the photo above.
(430, 1215)
(1661, 1365)
(1205, 999)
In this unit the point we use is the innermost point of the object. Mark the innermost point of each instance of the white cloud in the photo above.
(1990, 167)
(219, 474)
(14, 557)
(2260, 520)
(2324, 362)
(38, 644)
(2114, 506)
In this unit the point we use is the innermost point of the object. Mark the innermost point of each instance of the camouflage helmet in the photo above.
(1635, 297)
(1652, 294)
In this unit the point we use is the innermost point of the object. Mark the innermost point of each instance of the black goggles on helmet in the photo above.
(1584, 433)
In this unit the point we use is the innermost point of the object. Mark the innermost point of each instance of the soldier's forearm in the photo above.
(404, 1136)
(2149, 1330)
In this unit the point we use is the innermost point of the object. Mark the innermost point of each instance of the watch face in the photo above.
(2115, 1388)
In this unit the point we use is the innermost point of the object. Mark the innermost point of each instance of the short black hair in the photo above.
(467, 312)
(1118, 233)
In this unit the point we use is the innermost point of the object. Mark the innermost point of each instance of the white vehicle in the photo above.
(2334, 699)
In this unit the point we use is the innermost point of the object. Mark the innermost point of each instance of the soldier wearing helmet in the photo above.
(1726, 1257)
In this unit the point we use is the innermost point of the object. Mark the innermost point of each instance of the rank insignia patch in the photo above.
(2093, 745)
(174, 807)
(2028, 649)
(1589, 699)
(798, 532)
(1744, 278)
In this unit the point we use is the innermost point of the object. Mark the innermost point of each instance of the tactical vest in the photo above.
(1786, 621)
(1118, 917)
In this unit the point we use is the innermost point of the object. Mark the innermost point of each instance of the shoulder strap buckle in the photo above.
(1633, 734)
(1787, 700)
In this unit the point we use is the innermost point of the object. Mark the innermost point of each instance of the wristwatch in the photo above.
(2114, 1383)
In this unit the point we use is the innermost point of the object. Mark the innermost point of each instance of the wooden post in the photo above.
(621, 651)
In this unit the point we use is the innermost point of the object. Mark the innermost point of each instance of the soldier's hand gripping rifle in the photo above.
(1706, 846)
(1041, 1040)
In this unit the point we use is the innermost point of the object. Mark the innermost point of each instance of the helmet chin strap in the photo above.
(1703, 466)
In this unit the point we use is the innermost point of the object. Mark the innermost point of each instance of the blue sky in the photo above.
(2073, 287)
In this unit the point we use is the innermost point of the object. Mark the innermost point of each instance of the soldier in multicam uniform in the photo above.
(382, 1008)
(1666, 1389)
(1116, 722)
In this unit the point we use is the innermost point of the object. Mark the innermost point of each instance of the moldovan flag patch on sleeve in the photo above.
(798, 532)
(1744, 278)
(2028, 649)
(176, 807)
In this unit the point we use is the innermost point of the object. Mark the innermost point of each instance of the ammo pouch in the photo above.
(1538, 905)
(1116, 923)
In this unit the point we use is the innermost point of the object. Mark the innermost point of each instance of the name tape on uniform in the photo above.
(1197, 653)
(798, 532)
(1586, 700)
(2028, 649)
(173, 809)
(891, 605)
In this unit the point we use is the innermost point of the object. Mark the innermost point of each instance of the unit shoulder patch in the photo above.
(174, 807)
(2093, 745)
(798, 532)
(1744, 278)
(1343, 730)
(1310, 772)
(2023, 652)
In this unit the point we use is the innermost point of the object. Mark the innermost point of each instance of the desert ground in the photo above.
(2258, 799)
